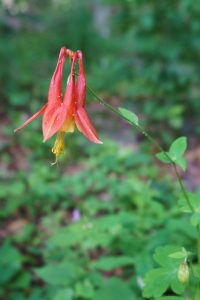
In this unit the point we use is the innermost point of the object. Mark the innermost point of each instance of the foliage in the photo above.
(130, 116)
(176, 153)
(87, 229)
(103, 252)
(160, 279)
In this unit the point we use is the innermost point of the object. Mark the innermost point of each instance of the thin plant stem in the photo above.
(152, 141)
(183, 188)
(198, 246)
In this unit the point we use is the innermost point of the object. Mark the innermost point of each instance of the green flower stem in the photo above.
(198, 246)
(183, 188)
(152, 140)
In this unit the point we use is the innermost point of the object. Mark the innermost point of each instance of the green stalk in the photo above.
(198, 246)
(152, 141)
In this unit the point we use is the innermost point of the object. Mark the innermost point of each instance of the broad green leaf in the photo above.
(156, 283)
(178, 147)
(113, 262)
(161, 256)
(158, 280)
(22, 281)
(10, 262)
(84, 289)
(67, 237)
(176, 152)
(176, 286)
(58, 274)
(114, 289)
(129, 115)
(162, 157)
(64, 294)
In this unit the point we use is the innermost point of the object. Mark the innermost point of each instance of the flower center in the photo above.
(59, 144)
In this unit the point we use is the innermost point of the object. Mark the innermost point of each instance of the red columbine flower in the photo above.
(74, 108)
(62, 116)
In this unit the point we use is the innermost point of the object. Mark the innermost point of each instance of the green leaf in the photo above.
(156, 283)
(182, 163)
(67, 237)
(177, 149)
(158, 280)
(84, 289)
(65, 294)
(114, 289)
(179, 254)
(129, 115)
(161, 256)
(110, 263)
(10, 262)
(58, 274)
(195, 219)
(176, 152)
(22, 281)
(162, 157)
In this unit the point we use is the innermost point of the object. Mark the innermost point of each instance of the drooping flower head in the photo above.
(64, 114)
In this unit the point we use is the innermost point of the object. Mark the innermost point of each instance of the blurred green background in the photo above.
(87, 228)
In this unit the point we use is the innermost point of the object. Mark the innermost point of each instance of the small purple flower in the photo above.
(76, 215)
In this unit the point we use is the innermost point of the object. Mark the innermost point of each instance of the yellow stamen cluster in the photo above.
(59, 144)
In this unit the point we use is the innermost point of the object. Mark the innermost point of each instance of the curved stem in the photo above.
(183, 188)
(152, 140)
(198, 247)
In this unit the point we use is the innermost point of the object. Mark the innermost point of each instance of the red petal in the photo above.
(53, 120)
(84, 124)
(32, 118)
(55, 88)
(80, 83)
(68, 100)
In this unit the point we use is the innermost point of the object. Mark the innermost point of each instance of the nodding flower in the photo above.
(61, 115)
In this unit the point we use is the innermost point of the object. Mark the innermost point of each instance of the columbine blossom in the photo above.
(64, 114)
